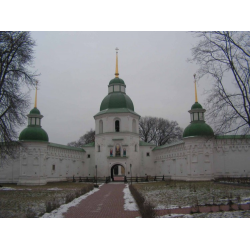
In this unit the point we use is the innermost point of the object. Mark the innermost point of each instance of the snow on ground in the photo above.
(58, 213)
(129, 201)
(10, 188)
(54, 189)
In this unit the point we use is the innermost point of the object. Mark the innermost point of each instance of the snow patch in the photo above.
(129, 201)
(7, 188)
(54, 189)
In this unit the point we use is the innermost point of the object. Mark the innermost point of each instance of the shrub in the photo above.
(51, 205)
(146, 208)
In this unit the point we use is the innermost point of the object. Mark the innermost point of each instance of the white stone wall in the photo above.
(194, 159)
(147, 166)
(126, 122)
(231, 157)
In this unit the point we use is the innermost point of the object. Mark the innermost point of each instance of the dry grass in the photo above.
(175, 194)
(33, 201)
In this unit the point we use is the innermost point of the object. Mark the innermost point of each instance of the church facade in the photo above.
(118, 151)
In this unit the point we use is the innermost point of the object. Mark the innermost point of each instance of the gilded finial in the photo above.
(35, 106)
(196, 99)
(116, 67)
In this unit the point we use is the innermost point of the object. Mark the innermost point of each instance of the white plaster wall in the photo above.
(125, 119)
(231, 157)
(146, 162)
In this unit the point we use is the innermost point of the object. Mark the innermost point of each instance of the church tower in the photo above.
(117, 132)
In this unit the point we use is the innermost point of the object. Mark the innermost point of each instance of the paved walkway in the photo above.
(108, 202)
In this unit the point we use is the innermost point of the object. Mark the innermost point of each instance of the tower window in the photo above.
(117, 126)
(100, 127)
(99, 148)
(148, 154)
(53, 167)
(134, 126)
(88, 156)
(135, 147)
(201, 116)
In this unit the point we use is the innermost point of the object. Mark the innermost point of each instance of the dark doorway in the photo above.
(117, 172)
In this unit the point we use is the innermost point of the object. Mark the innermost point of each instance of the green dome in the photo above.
(116, 101)
(35, 111)
(116, 80)
(198, 129)
(33, 133)
(196, 105)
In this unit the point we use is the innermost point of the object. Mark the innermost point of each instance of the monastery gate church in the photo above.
(117, 149)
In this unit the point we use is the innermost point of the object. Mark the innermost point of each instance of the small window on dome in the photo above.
(122, 89)
(116, 88)
(29, 121)
(33, 121)
(196, 116)
(201, 116)
(191, 116)
(110, 89)
(37, 121)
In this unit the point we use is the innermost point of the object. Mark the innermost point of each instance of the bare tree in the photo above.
(225, 57)
(16, 56)
(147, 128)
(159, 131)
(85, 139)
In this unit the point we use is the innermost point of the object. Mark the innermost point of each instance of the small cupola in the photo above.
(198, 126)
(116, 85)
(34, 131)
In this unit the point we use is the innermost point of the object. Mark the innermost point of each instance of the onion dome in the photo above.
(198, 126)
(117, 101)
(34, 131)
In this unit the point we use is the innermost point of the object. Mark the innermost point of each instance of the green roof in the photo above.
(121, 110)
(91, 144)
(117, 100)
(143, 143)
(66, 147)
(116, 80)
(199, 128)
(168, 145)
(35, 111)
(33, 133)
(196, 105)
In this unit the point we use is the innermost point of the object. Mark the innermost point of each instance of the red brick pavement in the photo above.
(108, 202)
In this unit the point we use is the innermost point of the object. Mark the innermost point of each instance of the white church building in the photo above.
(117, 149)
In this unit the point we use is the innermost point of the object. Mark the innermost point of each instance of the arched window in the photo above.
(100, 127)
(99, 148)
(117, 150)
(134, 126)
(135, 147)
(117, 126)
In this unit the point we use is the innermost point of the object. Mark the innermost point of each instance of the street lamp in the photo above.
(96, 173)
(131, 172)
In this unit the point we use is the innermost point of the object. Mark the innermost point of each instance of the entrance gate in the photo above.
(117, 173)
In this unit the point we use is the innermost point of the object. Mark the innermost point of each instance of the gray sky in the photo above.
(76, 68)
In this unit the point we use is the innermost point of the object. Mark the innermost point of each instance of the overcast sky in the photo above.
(76, 68)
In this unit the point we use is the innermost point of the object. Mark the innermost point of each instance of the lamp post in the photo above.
(96, 173)
(131, 172)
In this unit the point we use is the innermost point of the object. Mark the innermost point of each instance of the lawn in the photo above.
(32, 201)
(179, 194)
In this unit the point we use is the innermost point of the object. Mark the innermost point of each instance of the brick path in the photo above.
(106, 203)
